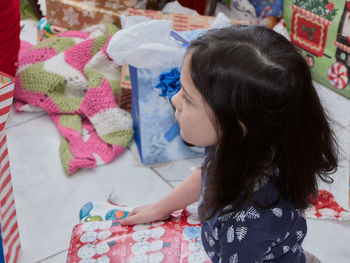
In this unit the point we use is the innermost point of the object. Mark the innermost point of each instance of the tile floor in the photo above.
(48, 201)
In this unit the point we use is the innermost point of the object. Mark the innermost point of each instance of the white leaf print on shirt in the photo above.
(299, 235)
(234, 258)
(225, 217)
(286, 249)
(300, 213)
(295, 248)
(215, 233)
(251, 213)
(211, 254)
(277, 211)
(230, 234)
(287, 235)
(269, 257)
(211, 241)
(241, 232)
(226, 208)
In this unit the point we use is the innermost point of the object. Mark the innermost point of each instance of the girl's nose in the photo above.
(175, 101)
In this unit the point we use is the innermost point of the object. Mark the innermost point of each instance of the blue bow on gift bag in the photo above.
(170, 85)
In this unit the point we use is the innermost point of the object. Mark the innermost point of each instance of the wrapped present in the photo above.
(80, 14)
(175, 240)
(10, 242)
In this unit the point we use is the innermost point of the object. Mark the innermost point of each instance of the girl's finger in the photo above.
(131, 220)
(133, 212)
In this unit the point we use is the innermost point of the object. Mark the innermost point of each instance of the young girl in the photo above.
(247, 95)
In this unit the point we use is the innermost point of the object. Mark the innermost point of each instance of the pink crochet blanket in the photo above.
(71, 77)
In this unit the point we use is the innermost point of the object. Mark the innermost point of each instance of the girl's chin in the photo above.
(186, 141)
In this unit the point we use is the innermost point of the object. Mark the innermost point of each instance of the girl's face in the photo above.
(192, 111)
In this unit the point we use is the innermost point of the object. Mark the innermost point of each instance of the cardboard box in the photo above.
(181, 22)
(80, 14)
(10, 243)
(124, 98)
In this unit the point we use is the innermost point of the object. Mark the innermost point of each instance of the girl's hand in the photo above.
(183, 195)
(145, 214)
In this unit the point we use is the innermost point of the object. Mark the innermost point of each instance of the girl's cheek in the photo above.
(177, 114)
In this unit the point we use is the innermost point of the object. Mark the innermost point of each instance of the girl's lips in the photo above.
(178, 123)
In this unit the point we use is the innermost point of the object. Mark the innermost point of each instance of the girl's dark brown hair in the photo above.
(254, 75)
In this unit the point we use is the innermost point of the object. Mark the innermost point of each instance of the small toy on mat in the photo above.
(46, 30)
(99, 211)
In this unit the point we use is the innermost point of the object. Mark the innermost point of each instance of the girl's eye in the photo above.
(185, 98)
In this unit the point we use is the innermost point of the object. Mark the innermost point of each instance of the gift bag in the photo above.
(156, 131)
(321, 30)
(10, 243)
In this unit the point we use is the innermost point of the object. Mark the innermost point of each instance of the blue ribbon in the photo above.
(169, 83)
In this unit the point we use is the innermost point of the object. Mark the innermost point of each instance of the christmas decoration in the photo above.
(338, 75)
(323, 8)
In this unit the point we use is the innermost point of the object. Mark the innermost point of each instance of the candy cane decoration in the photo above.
(267, 10)
(309, 60)
(338, 75)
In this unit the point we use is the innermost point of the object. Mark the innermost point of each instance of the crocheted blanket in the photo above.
(71, 77)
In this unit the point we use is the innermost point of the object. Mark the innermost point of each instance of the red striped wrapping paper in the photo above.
(10, 242)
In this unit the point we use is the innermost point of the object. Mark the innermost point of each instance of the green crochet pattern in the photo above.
(73, 79)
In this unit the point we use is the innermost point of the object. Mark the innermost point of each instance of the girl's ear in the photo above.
(244, 127)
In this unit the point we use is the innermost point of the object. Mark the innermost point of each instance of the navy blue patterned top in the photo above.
(255, 234)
